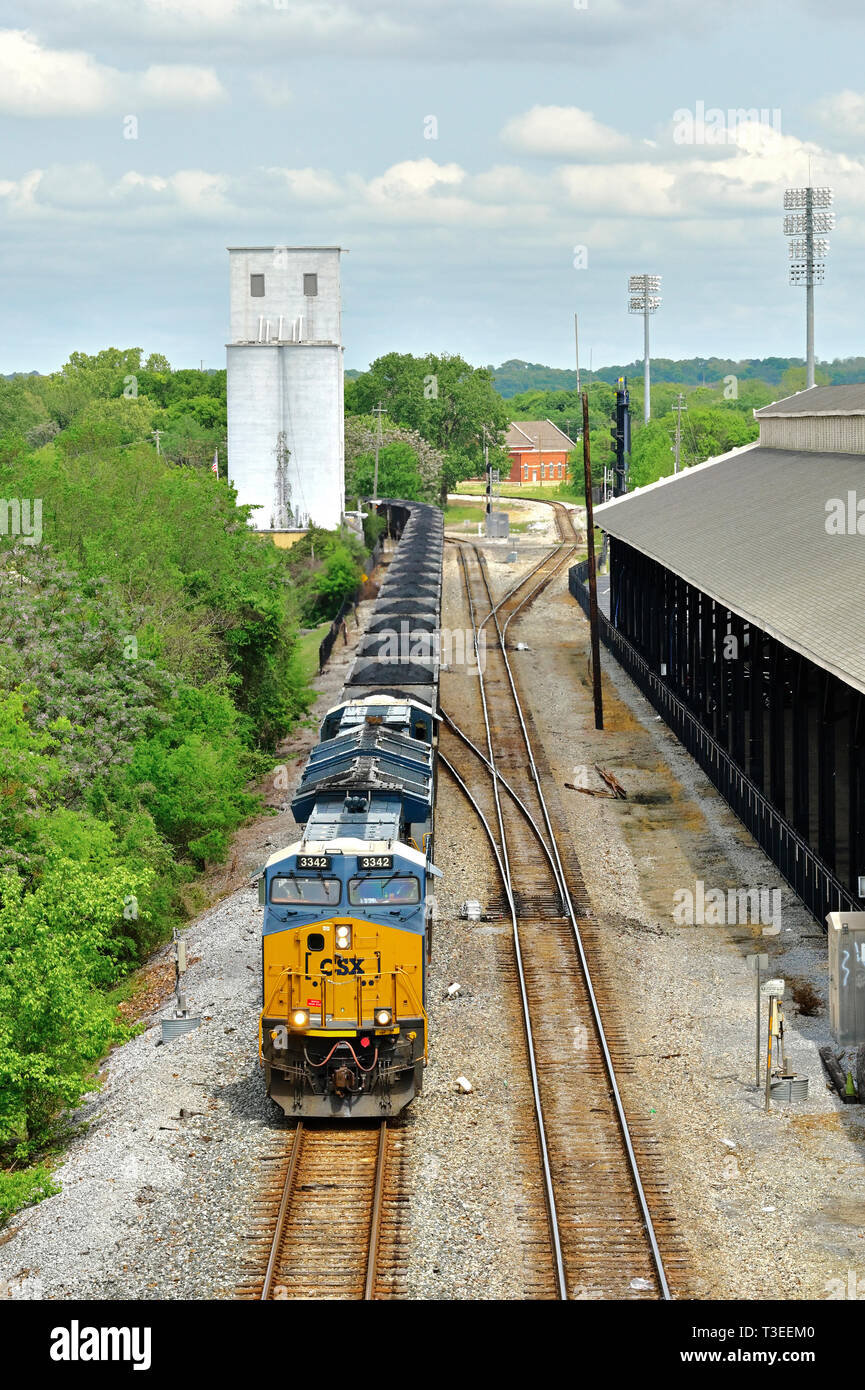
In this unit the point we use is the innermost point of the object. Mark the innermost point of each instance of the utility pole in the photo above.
(593, 583)
(489, 476)
(577, 350)
(679, 408)
(378, 411)
(157, 435)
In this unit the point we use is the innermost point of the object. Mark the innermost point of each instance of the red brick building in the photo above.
(539, 452)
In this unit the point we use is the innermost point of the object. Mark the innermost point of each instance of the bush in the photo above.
(24, 1188)
(326, 570)
(61, 943)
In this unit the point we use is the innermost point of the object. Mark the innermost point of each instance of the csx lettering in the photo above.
(342, 965)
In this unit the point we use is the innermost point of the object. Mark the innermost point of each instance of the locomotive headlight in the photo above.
(343, 937)
(299, 1018)
(383, 1017)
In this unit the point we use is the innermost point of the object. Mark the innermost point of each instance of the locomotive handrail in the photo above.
(415, 1000)
(286, 971)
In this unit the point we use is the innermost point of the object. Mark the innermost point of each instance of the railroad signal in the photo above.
(620, 435)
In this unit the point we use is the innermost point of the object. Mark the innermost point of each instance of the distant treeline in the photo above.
(514, 377)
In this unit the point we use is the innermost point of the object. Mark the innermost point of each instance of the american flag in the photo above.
(216, 462)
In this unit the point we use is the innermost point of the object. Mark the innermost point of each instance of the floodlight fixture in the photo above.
(644, 293)
(807, 251)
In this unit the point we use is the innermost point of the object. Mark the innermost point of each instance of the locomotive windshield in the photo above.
(317, 892)
(368, 892)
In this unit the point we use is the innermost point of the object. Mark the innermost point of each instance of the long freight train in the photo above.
(347, 921)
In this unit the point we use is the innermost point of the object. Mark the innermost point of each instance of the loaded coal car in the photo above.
(347, 921)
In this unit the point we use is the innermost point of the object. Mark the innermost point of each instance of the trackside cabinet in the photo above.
(847, 977)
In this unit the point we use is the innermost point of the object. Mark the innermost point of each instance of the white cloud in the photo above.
(200, 192)
(310, 185)
(37, 81)
(413, 178)
(843, 111)
(554, 30)
(178, 85)
(20, 194)
(552, 206)
(563, 132)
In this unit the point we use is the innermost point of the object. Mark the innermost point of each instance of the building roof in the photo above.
(820, 400)
(523, 434)
(286, 248)
(749, 529)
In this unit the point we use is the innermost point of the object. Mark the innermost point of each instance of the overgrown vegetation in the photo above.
(326, 567)
(148, 663)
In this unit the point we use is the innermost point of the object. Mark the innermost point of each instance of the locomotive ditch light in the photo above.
(383, 1017)
(299, 1018)
(343, 937)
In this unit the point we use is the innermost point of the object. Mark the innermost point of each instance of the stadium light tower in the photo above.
(807, 250)
(645, 297)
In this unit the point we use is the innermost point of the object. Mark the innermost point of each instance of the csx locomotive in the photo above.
(347, 921)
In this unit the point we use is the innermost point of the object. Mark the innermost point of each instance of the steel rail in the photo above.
(549, 1191)
(566, 898)
(494, 772)
(282, 1213)
(376, 1209)
(375, 1214)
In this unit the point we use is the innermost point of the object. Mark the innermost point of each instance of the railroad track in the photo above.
(607, 1210)
(330, 1222)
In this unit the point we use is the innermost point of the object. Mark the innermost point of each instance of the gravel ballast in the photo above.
(159, 1187)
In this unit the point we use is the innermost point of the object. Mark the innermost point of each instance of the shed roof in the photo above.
(848, 399)
(523, 434)
(750, 529)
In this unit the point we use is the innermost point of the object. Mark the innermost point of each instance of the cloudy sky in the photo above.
(490, 166)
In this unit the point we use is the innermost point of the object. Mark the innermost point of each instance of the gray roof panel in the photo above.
(848, 399)
(749, 529)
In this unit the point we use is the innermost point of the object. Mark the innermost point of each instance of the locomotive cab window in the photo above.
(369, 892)
(292, 891)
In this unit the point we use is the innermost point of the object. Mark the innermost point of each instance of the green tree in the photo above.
(107, 424)
(796, 379)
(441, 396)
(398, 473)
